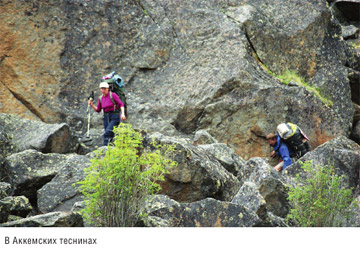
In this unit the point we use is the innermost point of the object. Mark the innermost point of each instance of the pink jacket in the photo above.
(105, 103)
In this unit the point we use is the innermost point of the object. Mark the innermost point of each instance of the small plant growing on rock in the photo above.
(320, 201)
(291, 76)
(355, 44)
(118, 182)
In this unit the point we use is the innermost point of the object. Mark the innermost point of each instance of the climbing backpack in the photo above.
(293, 137)
(117, 86)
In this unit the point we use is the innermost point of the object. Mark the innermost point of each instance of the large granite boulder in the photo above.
(165, 212)
(285, 38)
(341, 153)
(54, 219)
(61, 192)
(225, 155)
(250, 197)
(198, 175)
(30, 170)
(19, 205)
(263, 190)
(19, 134)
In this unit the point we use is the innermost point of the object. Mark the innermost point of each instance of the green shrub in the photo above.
(119, 180)
(321, 201)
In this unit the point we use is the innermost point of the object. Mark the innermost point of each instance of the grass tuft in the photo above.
(291, 76)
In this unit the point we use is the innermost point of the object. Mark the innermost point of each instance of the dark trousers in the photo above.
(110, 121)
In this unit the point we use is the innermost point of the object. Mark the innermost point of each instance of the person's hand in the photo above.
(90, 102)
(279, 169)
(123, 117)
(272, 153)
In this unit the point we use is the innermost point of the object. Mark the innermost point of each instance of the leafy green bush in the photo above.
(321, 201)
(119, 180)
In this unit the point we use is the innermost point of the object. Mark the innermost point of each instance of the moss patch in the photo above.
(355, 43)
(291, 76)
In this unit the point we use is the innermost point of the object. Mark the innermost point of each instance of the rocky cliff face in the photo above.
(210, 186)
(205, 75)
(187, 65)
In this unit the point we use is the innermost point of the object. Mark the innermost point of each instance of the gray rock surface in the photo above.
(225, 155)
(263, 187)
(198, 174)
(24, 134)
(163, 211)
(29, 170)
(4, 211)
(61, 192)
(19, 205)
(5, 190)
(206, 73)
(187, 65)
(46, 179)
(340, 153)
(286, 39)
(54, 219)
(250, 197)
(354, 221)
(203, 137)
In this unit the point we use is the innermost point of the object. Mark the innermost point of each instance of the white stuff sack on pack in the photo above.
(284, 130)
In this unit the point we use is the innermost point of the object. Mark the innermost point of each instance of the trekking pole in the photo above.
(91, 97)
